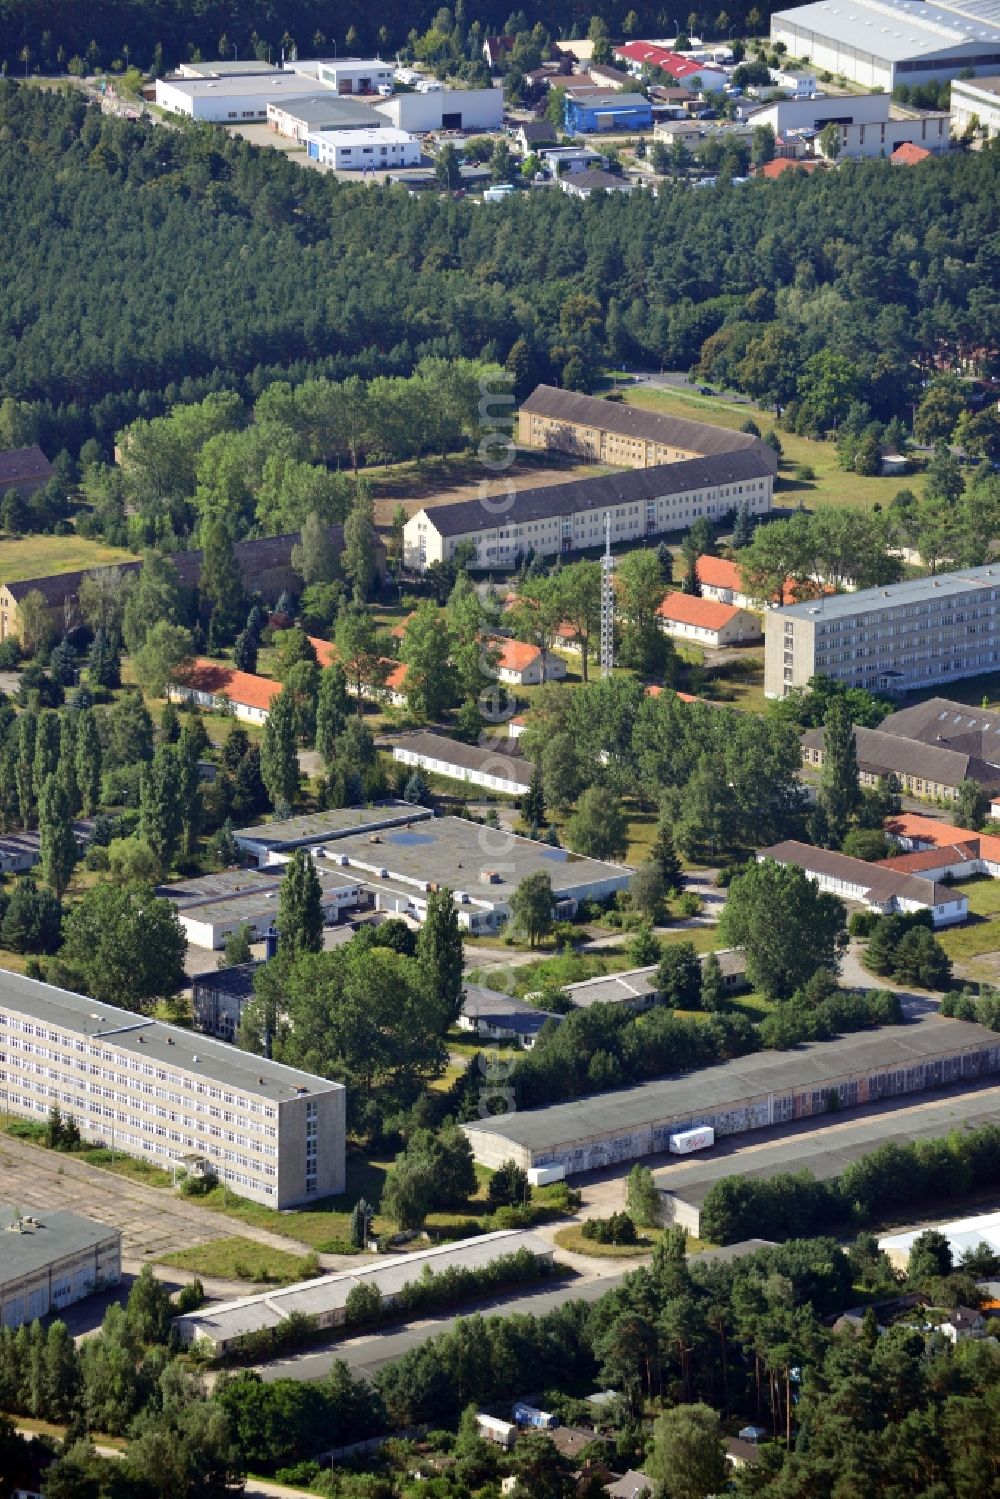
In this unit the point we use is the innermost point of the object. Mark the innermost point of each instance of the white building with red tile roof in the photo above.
(212, 685)
(702, 621)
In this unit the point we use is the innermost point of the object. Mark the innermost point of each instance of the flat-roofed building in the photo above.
(272, 842)
(684, 1184)
(866, 123)
(975, 108)
(886, 891)
(902, 638)
(571, 516)
(50, 1258)
(636, 987)
(963, 1235)
(225, 99)
(481, 866)
(219, 998)
(314, 113)
(444, 109)
(348, 75)
(363, 150)
(628, 436)
(272, 1133)
(882, 43)
(748, 1093)
(208, 922)
(325, 1298)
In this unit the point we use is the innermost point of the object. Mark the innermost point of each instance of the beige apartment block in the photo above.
(167, 1095)
(898, 639)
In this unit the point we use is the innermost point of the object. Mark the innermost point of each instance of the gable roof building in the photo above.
(885, 891)
(583, 184)
(686, 616)
(933, 770)
(211, 685)
(558, 518)
(24, 469)
(619, 433)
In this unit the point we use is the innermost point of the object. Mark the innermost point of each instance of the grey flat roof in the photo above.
(320, 110)
(282, 87)
(463, 517)
(892, 29)
(237, 979)
(636, 983)
(337, 823)
(330, 1292)
(230, 68)
(255, 903)
(895, 596)
(450, 851)
(815, 1064)
(157, 1042)
(222, 886)
(53, 1236)
(826, 1156)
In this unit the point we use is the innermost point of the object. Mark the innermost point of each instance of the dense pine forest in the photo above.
(141, 265)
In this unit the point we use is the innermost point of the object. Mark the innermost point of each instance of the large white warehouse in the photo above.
(445, 109)
(882, 43)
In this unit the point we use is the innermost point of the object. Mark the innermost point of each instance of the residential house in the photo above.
(496, 50)
(608, 111)
(909, 155)
(964, 1322)
(631, 1485)
(720, 579)
(558, 160)
(24, 469)
(608, 77)
(583, 184)
(885, 891)
(521, 665)
(532, 134)
(500, 1017)
(685, 616)
(209, 684)
(772, 170)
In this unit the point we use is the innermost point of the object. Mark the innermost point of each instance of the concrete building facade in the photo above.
(975, 107)
(752, 1092)
(902, 638)
(272, 1133)
(445, 109)
(50, 1258)
(571, 517)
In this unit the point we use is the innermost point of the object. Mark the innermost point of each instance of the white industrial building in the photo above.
(963, 1234)
(325, 1298)
(221, 904)
(347, 75)
(882, 43)
(975, 105)
(271, 842)
(50, 1258)
(445, 109)
(228, 100)
(363, 150)
(161, 1093)
(309, 114)
(866, 123)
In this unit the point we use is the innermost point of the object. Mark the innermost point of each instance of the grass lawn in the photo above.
(984, 895)
(572, 1239)
(42, 556)
(325, 1227)
(126, 1165)
(243, 1259)
(978, 936)
(831, 486)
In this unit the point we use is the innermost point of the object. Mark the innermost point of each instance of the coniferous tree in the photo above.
(220, 581)
(170, 724)
(279, 758)
(189, 781)
(533, 801)
(300, 907)
(245, 652)
(359, 543)
(440, 954)
(88, 762)
(104, 661)
(57, 852)
(331, 711)
(67, 761)
(664, 854)
(840, 787)
(713, 990)
(47, 737)
(161, 809)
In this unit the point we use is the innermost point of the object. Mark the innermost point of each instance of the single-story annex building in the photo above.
(685, 616)
(885, 891)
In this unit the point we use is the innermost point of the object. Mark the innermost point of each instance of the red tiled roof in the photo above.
(326, 651)
(688, 609)
(240, 687)
(720, 572)
(684, 697)
(908, 155)
(515, 655)
(783, 164)
(661, 57)
(932, 858)
(942, 835)
(396, 680)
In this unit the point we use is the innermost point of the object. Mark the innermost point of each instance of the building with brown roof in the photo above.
(931, 770)
(24, 469)
(884, 891)
(628, 436)
(685, 616)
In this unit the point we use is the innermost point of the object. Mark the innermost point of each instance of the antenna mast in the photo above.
(607, 603)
